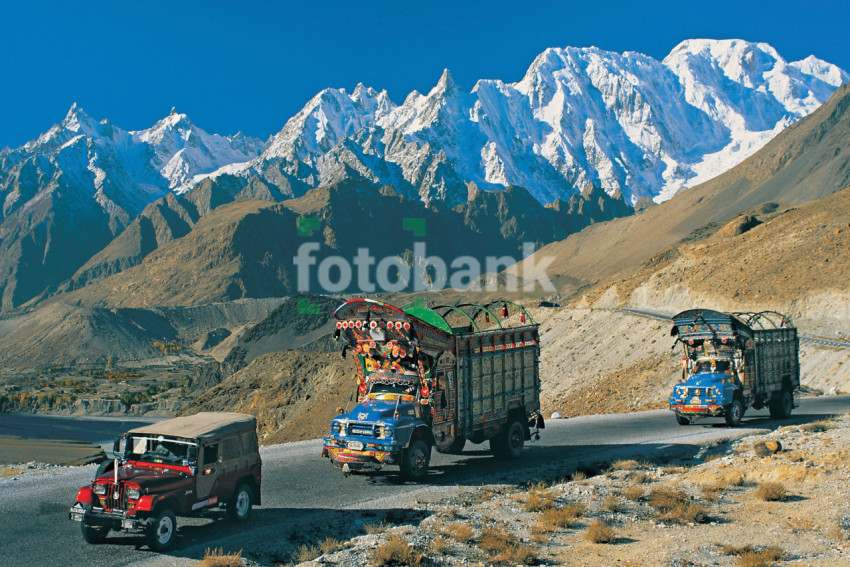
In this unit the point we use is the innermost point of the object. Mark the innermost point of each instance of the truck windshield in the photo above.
(392, 388)
(159, 449)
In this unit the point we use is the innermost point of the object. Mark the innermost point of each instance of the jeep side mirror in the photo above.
(116, 446)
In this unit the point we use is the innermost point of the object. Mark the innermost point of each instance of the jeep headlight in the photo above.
(134, 493)
(384, 431)
(100, 489)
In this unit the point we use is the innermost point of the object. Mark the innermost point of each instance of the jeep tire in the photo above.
(93, 534)
(239, 507)
(414, 461)
(161, 529)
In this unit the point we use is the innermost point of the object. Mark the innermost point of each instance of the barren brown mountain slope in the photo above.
(805, 162)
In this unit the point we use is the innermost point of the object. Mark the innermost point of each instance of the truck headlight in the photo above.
(99, 489)
(384, 431)
(336, 427)
(134, 493)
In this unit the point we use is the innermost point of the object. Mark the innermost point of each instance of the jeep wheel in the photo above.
(780, 407)
(414, 461)
(682, 420)
(93, 534)
(239, 507)
(161, 530)
(509, 443)
(734, 413)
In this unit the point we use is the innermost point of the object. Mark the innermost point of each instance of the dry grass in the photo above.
(633, 492)
(9, 471)
(306, 553)
(711, 492)
(218, 558)
(676, 506)
(330, 545)
(818, 426)
(612, 503)
(625, 465)
(578, 476)
(640, 477)
(396, 551)
(378, 528)
(503, 548)
(748, 556)
(538, 500)
(439, 546)
(600, 532)
(557, 518)
(459, 531)
(770, 492)
(798, 525)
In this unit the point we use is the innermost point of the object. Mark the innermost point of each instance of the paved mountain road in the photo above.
(301, 490)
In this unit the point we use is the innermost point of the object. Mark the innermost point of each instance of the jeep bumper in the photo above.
(114, 519)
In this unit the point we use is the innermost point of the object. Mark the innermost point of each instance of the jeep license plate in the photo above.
(127, 524)
(356, 445)
(78, 513)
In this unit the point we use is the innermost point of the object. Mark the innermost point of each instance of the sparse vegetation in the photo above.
(676, 506)
(330, 545)
(748, 556)
(633, 492)
(306, 553)
(396, 551)
(218, 558)
(770, 492)
(460, 531)
(624, 465)
(600, 532)
(503, 548)
(612, 503)
(378, 528)
(539, 499)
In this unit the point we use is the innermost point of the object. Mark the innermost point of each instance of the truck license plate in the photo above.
(356, 445)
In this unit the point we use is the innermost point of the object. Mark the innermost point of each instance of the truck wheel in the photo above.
(682, 420)
(780, 407)
(94, 534)
(161, 530)
(414, 461)
(509, 443)
(239, 507)
(734, 413)
(453, 448)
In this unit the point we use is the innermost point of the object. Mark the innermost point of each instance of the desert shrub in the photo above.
(218, 558)
(306, 553)
(330, 544)
(503, 548)
(600, 532)
(640, 477)
(460, 531)
(676, 506)
(612, 503)
(711, 492)
(632, 492)
(373, 529)
(748, 556)
(770, 492)
(396, 551)
(624, 465)
(578, 476)
(439, 545)
(555, 518)
(539, 500)
(817, 426)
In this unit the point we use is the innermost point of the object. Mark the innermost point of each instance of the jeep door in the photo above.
(209, 469)
(228, 458)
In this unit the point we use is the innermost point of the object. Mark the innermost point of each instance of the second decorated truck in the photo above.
(735, 361)
(426, 382)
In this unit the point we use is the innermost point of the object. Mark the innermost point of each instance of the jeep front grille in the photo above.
(115, 497)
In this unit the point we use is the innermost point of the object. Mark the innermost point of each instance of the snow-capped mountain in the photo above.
(626, 122)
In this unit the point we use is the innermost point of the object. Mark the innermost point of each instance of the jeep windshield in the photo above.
(160, 449)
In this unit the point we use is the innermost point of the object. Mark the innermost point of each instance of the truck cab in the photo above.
(178, 467)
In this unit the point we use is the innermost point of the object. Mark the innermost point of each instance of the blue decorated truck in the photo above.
(434, 378)
(735, 361)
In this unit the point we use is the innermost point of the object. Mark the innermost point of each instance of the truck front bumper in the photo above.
(113, 519)
(694, 410)
(368, 458)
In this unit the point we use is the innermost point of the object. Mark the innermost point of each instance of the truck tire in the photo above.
(239, 507)
(453, 448)
(734, 413)
(161, 530)
(509, 443)
(682, 420)
(414, 461)
(780, 407)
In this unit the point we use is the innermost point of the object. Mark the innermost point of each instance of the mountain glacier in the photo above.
(625, 122)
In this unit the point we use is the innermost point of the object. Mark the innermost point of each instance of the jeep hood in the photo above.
(159, 479)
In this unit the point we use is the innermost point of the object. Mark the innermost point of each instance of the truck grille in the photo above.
(699, 392)
(361, 429)
(115, 497)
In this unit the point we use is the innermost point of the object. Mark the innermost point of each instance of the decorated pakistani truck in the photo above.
(434, 378)
(735, 361)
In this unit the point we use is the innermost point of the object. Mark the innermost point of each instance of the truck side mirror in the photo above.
(116, 445)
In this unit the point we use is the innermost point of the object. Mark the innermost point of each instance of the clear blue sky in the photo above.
(250, 65)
